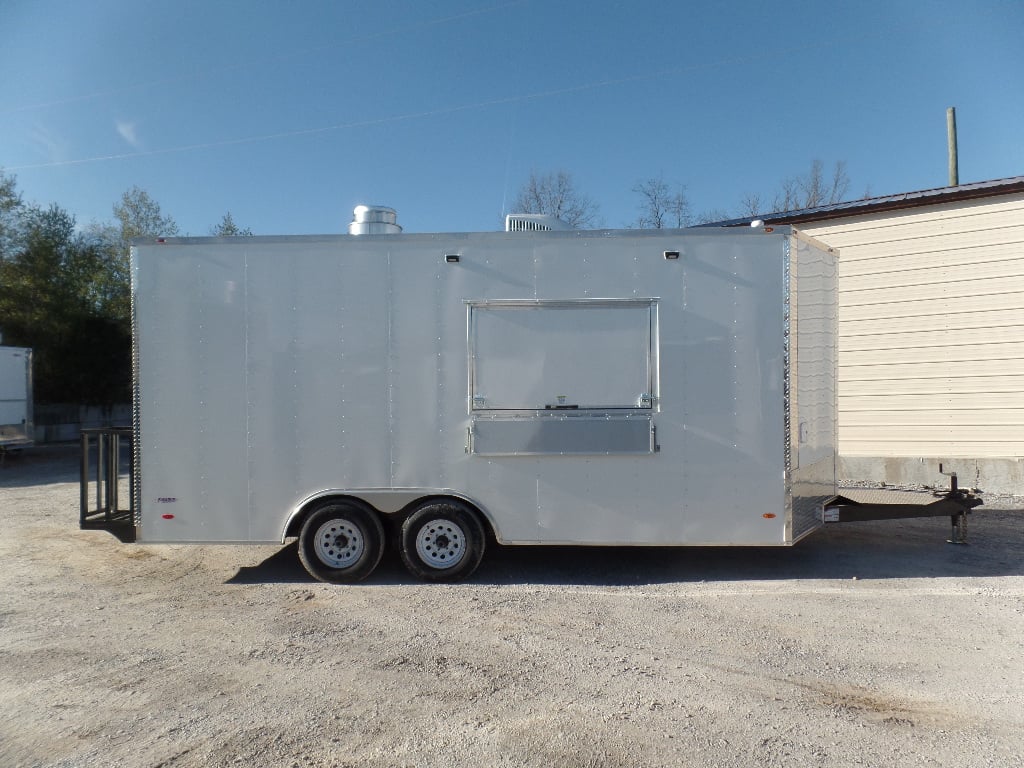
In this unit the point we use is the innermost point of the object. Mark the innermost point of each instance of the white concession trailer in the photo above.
(663, 387)
(16, 423)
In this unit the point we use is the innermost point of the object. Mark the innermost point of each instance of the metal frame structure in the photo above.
(956, 503)
(106, 513)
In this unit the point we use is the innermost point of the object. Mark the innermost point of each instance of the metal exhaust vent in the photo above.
(374, 220)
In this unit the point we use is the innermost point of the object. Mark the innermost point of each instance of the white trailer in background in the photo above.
(16, 425)
(665, 387)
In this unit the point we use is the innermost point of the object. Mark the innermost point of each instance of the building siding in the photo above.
(931, 329)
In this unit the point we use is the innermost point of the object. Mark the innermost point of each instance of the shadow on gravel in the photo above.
(282, 567)
(889, 550)
(40, 465)
(49, 464)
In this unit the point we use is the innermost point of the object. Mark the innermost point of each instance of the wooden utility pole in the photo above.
(954, 171)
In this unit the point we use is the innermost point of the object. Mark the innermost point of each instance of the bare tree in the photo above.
(661, 206)
(751, 204)
(712, 215)
(814, 189)
(808, 190)
(555, 194)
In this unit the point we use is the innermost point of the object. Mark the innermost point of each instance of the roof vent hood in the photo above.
(374, 220)
(534, 222)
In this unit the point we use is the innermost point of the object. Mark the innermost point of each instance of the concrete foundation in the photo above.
(1001, 476)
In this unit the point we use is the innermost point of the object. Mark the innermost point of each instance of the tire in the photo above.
(442, 541)
(341, 542)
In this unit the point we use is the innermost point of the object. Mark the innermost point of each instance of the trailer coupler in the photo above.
(955, 503)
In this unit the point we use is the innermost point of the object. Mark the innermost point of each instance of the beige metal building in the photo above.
(931, 332)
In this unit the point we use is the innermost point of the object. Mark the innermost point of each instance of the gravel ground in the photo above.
(866, 644)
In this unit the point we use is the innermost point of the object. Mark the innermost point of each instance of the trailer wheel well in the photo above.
(396, 520)
(392, 521)
(295, 524)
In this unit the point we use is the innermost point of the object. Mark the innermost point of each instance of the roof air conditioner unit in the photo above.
(534, 222)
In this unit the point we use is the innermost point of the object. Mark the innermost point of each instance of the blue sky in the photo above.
(288, 113)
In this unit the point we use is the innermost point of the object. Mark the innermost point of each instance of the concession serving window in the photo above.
(577, 376)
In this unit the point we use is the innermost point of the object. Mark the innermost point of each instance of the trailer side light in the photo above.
(768, 515)
(671, 254)
(451, 258)
(167, 517)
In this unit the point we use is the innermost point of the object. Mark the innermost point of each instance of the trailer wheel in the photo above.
(442, 541)
(341, 542)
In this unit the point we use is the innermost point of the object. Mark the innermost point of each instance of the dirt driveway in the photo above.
(867, 644)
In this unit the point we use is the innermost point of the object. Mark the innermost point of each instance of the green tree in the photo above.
(137, 215)
(10, 204)
(140, 216)
(55, 296)
(228, 228)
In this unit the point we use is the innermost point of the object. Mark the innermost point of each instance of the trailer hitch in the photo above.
(956, 503)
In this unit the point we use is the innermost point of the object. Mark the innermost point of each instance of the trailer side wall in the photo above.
(271, 370)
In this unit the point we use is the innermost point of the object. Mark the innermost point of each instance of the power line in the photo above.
(579, 88)
(410, 115)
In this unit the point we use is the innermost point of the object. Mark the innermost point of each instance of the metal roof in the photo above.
(886, 203)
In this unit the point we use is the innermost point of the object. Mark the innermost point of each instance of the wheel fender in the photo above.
(386, 501)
